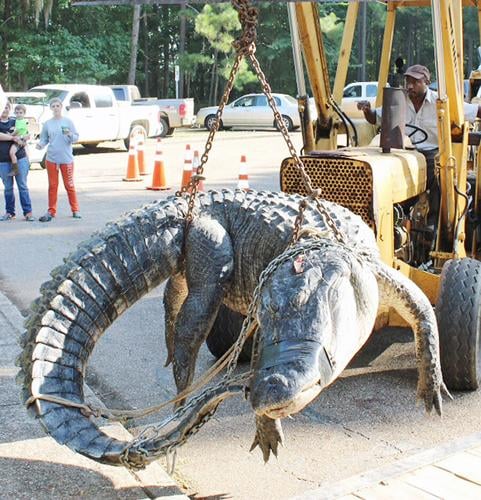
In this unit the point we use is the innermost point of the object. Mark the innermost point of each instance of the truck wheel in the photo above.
(163, 127)
(225, 332)
(209, 122)
(458, 312)
(135, 130)
(170, 131)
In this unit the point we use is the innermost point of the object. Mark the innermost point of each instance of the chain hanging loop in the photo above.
(244, 45)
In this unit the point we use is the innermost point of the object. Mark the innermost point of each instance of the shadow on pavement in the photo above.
(26, 478)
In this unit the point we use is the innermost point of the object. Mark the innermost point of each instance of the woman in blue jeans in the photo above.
(6, 139)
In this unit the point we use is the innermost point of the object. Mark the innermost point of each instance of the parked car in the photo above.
(355, 92)
(173, 113)
(252, 111)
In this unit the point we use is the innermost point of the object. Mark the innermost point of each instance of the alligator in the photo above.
(316, 309)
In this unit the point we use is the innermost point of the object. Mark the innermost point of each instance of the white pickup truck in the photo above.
(95, 111)
(173, 113)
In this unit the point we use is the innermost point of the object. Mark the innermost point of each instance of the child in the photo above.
(20, 130)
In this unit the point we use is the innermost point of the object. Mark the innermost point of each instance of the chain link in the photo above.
(245, 46)
(152, 442)
(136, 455)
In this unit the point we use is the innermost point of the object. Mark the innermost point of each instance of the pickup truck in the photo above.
(96, 113)
(173, 113)
(355, 92)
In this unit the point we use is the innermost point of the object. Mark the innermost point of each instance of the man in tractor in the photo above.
(421, 113)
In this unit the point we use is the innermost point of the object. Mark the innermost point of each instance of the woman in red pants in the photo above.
(59, 133)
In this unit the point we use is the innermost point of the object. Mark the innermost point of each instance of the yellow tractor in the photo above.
(385, 183)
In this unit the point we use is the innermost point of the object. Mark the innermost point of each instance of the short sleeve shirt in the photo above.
(6, 128)
(426, 118)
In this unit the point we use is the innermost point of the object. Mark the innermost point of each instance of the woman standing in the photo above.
(59, 133)
(7, 125)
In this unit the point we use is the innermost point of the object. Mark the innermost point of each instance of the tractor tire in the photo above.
(458, 312)
(224, 333)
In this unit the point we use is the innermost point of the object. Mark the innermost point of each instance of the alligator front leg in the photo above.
(209, 264)
(268, 436)
(397, 291)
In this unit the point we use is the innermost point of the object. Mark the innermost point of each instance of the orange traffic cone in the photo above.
(141, 155)
(187, 172)
(132, 167)
(195, 164)
(158, 177)
(243, 182)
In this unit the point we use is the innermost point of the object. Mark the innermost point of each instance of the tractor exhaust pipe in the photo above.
(393, 119)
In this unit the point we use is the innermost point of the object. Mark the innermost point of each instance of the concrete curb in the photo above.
(374, 476)
(21, 447)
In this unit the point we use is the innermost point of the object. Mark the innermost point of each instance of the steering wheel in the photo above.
(415, 130)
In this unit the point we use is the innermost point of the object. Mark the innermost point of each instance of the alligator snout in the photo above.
(275, 385)
(277, 396)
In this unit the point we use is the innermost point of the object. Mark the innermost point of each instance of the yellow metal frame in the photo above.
(452, 159)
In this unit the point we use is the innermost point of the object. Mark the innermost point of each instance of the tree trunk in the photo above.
(7, 12)
(212, 79)
(166, 55)
(134, 45)
(146, 56)
(182, 34)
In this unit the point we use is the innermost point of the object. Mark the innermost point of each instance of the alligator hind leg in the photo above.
(174, 296)
(397, 291)
(209, 264)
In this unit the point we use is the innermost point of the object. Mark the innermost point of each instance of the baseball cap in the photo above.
(418, 71)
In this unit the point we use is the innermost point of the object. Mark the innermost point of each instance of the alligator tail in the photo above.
(99, 281)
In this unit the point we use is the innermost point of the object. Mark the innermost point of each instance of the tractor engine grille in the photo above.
(343, 180)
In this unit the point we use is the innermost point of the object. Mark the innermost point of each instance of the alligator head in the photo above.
(315, 313)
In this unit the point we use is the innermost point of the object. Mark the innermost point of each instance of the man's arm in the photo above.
(369, 114)
(7, 137)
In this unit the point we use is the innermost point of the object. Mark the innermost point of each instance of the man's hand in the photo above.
(369, 114)
(364, 106)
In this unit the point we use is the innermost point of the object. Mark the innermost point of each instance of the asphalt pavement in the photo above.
(366, 421)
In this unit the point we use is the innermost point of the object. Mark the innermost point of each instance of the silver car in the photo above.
(252, 111)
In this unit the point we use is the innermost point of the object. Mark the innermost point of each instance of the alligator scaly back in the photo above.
(96, 284)
(117, 266)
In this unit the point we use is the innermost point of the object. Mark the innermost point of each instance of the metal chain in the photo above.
(245, 44)
(137, 454)
(212, 395)
(311, 192)
(193, 185)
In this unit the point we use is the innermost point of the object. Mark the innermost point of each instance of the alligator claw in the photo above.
(432, 396)
(268, 436)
